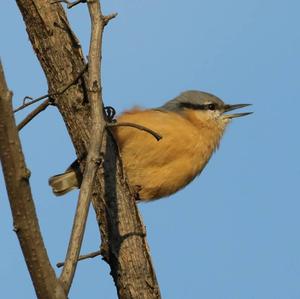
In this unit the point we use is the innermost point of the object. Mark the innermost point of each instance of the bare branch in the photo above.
(32, 101)
(136, 126)
(69, 3)
(33, 114)
(25, 219)
(96, 137)
(83, 257)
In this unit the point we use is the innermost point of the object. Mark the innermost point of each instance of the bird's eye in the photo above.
(212, 106)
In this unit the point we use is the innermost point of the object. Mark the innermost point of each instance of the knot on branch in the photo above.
(26, 173)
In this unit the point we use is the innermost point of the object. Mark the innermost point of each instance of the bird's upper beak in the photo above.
(233, 107)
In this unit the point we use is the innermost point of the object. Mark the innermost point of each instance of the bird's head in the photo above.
(206, 104)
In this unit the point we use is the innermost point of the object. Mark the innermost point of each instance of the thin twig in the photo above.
(83, 257)
(50, 95)
(94, 90)
(139, 127)
(69, 3)
(24, 105)
(33, 114)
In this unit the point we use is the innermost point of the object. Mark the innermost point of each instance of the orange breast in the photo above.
(160, 168)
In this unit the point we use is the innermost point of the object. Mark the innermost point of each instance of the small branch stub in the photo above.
(106, 19)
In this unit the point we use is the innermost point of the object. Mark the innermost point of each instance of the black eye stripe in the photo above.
(192, 106)
(210, 106)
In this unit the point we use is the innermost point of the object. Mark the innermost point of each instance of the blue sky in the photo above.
(234, 232)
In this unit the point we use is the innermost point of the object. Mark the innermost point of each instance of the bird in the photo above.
(191, 125)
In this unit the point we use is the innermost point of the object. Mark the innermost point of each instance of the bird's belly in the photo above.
(154, 177)
(154, 183)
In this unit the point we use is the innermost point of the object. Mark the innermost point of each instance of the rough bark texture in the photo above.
(25, 219)
(124, 245)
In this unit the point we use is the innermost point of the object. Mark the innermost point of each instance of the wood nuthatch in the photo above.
(191, 126)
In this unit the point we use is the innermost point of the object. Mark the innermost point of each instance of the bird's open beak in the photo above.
(233, 107)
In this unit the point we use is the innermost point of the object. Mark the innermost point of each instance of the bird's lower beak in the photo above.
(233, 107)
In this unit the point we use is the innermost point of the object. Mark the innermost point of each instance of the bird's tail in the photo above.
(64, 182)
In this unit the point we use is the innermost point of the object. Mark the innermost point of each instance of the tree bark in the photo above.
(124, 244)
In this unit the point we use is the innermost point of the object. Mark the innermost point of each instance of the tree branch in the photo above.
(69, 3)
(33, 114)
(83, 257)
(31, 102)
(93, 158)
(24, 215)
